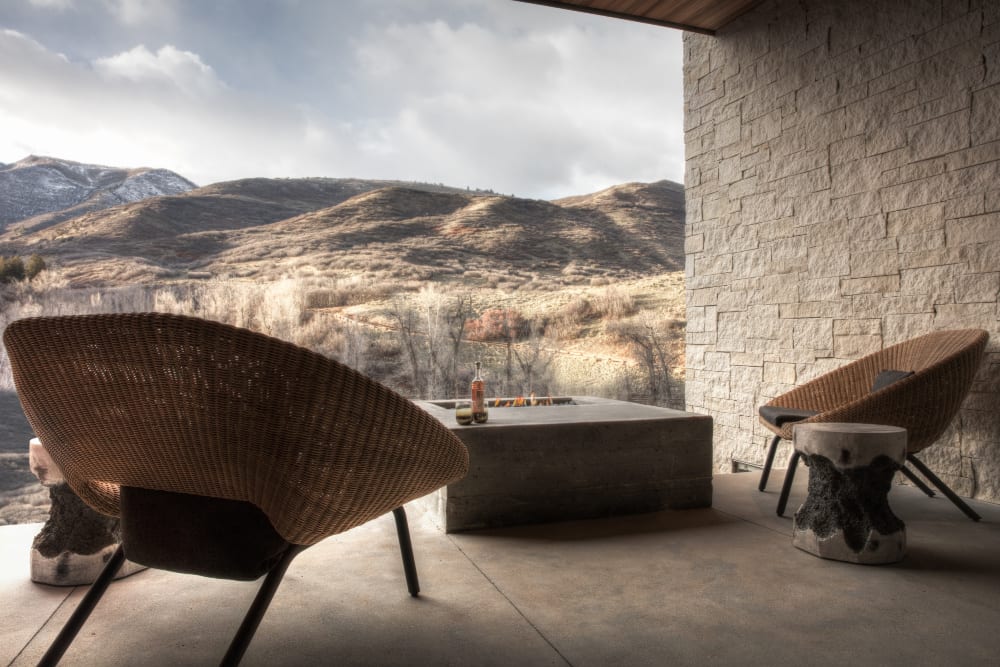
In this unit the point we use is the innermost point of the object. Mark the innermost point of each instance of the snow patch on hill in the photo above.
(38, 185)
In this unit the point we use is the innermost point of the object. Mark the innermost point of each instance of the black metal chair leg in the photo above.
(786, 487)
(406, 550)
(260, 604)
(82, 612)
(917, 482)
(768, 462)
(945, 489)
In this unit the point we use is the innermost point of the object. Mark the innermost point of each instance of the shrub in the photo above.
(498, 324)
(614, 304)
(34, 266)
(11, 269)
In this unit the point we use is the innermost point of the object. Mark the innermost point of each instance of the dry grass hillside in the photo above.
(263, 229)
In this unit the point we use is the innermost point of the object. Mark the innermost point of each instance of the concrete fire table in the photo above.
(589, 457)
(75, 542)
(846, 515)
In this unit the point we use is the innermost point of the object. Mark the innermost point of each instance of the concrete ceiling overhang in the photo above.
(704, 16)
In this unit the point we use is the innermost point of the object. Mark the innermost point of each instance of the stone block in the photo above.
(992, 201)
(830, 259)
(716, 361)
(694, 243)
(856, 175)
(940, 136)
(694, 355)
(882, 263)
(978, 287)
(712, 264)
(917, 193)
(751, 263)
(981, 258)
(695, 319)
(962, 315)
(929, 258)
(987, 476)
(779, 373)
(861, 204)
(776, 290)
(814, 208)
(820, 309)
(728, 131)
(702, 297)
(855, 347)
(733, 300)
(730, 171)
(711, 318)
(898, 327)
(935, 281)
(599, 458)
(872, 285)
(857, 327)
(729, 239)
(884, 139)
(847, 150)
(976, 229)
(732, 332)
(745, 379)
(866, 228)
(984, 114)
(920, 242)
(746, 359)
(813, 333)
(929, 218)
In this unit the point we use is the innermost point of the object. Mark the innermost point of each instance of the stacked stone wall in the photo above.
(843, 194)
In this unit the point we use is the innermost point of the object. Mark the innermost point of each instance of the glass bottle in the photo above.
(479, 412)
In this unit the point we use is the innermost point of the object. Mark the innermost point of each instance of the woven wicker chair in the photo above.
(224, 452)
(918, 385)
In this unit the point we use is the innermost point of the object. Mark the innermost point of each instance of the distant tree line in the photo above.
(15, 269)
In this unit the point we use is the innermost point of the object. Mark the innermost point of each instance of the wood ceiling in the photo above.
(704, 16)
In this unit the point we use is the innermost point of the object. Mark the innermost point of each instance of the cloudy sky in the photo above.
(523, 99)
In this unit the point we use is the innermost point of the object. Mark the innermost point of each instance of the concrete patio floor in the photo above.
(720, 586)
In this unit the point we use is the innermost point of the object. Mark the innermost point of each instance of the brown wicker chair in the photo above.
(225, 452)
(918, 385)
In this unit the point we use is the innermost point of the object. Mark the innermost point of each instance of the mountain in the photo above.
(264, 228)
(38, 192)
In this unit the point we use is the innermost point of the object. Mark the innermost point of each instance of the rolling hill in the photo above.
(265, 228)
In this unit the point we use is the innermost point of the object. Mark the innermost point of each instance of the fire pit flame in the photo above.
(522, 402)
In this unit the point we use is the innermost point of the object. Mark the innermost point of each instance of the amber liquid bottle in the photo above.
(479, 412)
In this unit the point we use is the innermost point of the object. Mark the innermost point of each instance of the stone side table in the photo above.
(75, 542)
(846, 515)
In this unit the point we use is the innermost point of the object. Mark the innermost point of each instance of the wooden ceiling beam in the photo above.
(702, 16)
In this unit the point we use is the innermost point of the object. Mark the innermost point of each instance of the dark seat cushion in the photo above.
(776, 416)
(213, 537)
(885, 378)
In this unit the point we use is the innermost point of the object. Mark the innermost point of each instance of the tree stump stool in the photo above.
(75, 542)
(846, 515)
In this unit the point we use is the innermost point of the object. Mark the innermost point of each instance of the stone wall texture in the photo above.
(843, 194)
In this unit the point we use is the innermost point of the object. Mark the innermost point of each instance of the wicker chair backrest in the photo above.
(182, 404)
(944, 364)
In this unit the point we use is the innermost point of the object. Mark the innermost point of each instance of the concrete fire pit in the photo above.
(593, 457)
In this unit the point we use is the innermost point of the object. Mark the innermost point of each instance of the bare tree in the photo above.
(458, 314)
(533, 358)
(649, 340)
(406, 321)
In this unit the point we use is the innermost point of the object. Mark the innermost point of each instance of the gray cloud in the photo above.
(494, 94)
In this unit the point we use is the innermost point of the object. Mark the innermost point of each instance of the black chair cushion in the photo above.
(885, 378)
(213, 537)
(776, 416)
